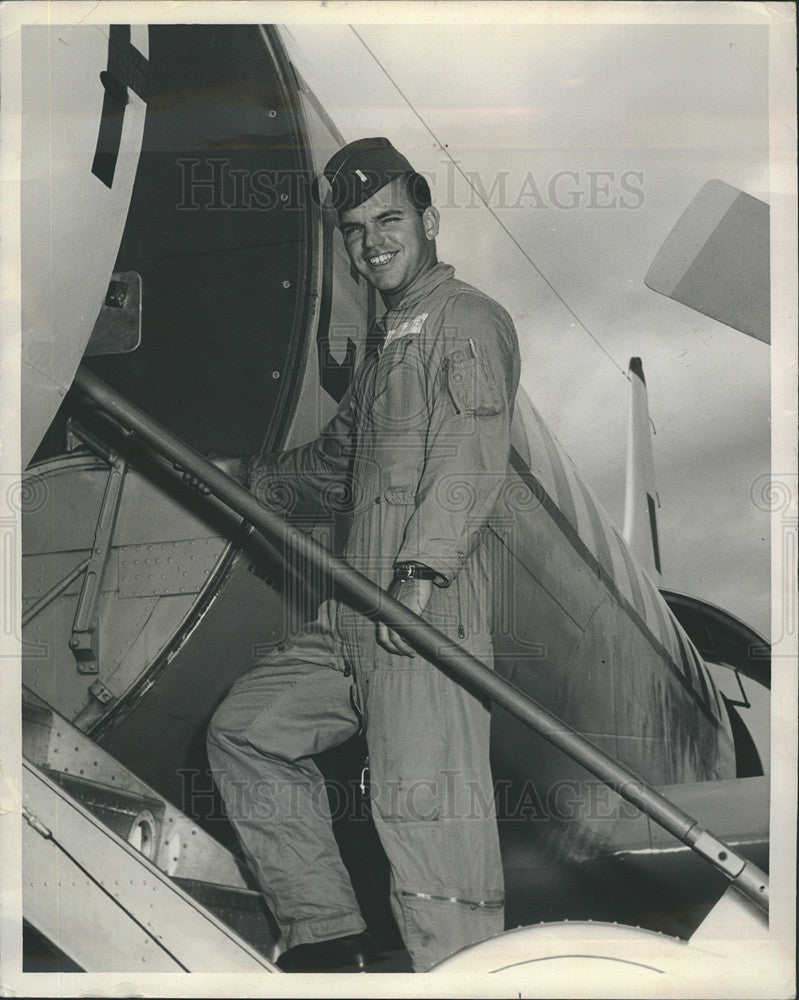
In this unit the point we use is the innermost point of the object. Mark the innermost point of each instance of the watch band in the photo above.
(413, 571)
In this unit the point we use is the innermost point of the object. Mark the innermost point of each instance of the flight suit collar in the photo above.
(422, 285)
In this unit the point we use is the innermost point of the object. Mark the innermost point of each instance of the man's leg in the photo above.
(432, 800)
(295, 703)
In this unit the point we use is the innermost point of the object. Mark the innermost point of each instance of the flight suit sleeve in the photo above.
(312, 475)
(474, 368)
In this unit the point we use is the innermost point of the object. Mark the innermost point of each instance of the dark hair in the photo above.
(418, 191)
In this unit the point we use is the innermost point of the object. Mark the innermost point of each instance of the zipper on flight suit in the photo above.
(445, 369)
(473, 904)
(355, 702)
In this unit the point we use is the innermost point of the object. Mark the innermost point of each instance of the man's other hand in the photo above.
(414, 594)
(234, 466)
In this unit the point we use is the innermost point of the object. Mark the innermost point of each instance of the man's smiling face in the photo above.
(389, 241)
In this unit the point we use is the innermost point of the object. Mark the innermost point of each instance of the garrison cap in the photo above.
(361, 168)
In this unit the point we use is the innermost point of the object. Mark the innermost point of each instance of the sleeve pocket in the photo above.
(471, 385)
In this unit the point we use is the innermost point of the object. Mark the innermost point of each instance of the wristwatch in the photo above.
(413, 571)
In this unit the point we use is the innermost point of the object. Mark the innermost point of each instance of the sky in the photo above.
(640, 116)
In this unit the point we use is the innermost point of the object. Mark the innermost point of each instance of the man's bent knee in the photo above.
(222, 730)
(217, 727)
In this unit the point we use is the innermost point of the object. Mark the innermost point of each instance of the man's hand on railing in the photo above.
(414, 594)
(235, 466)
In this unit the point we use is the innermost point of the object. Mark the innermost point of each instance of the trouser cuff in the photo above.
(324, 929)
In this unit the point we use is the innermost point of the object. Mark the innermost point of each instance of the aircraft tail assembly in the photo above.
(641, 500)
(716, 259)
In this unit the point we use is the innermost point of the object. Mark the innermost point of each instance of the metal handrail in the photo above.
(367, 597)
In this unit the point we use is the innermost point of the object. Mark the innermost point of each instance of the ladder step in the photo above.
(55, 750)
(243, 910)
(134, 817)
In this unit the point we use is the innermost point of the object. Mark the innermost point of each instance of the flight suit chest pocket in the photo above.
(471, 384)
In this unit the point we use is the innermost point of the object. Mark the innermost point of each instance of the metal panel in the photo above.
(55, 676)
(140, 920)
(168, 552)
(539, 544)
(117, 809)
(57, 897)
(246, 617)
(41, 571)
(177, 567)
(185, 849)
(67, 254)
(117, 329)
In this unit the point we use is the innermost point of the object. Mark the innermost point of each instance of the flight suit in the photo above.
(423, 438)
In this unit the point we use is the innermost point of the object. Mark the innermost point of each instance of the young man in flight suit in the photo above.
(423, 437)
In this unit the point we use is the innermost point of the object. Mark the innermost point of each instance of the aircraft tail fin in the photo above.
(641, 499)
